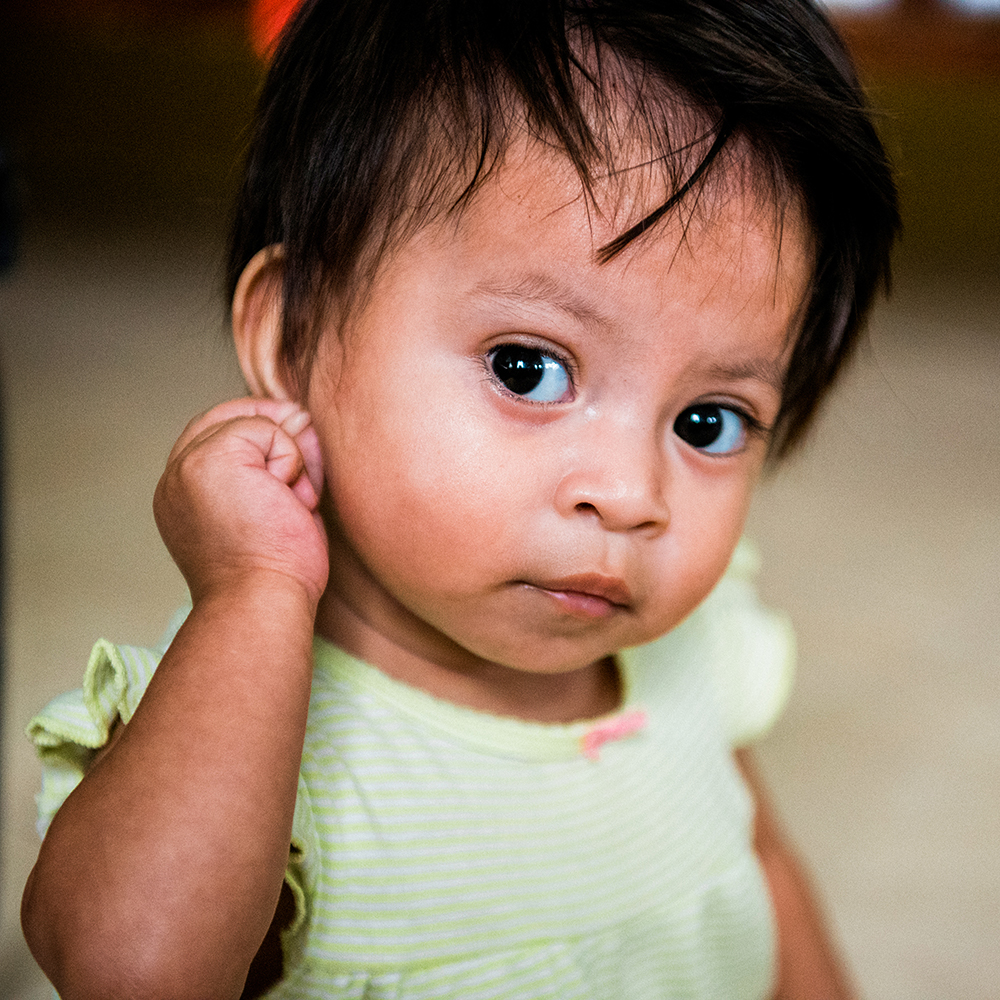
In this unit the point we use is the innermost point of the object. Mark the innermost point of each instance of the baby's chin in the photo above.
(555, 651)
(529, 628)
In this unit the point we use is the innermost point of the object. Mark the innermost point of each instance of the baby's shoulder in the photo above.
(732, 644)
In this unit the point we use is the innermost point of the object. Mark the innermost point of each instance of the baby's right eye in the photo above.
(530, 373)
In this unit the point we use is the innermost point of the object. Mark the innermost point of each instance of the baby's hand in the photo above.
(239, 497)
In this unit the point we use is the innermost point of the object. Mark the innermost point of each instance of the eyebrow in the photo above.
(544, 289)
(764, 370)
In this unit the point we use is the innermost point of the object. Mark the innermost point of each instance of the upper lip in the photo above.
(611, 588)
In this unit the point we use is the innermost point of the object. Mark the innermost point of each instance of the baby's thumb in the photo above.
(312, 458)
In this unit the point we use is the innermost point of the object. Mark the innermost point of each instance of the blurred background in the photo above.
(121, 127)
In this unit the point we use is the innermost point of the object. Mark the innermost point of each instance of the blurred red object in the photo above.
(267, 18)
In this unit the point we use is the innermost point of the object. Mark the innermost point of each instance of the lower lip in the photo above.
(580, 605)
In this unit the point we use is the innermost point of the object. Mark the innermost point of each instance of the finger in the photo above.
(204, 424)
(247, 442)
(282, 458)
(299, 425)
(303, 489)
(296, 422)
(312, 457)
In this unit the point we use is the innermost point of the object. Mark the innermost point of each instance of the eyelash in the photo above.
(532, 373)
(750, 426)
(753, 426)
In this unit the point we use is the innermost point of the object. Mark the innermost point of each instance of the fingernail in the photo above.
(296, 422)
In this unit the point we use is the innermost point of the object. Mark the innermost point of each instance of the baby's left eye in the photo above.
(529, 372)
(712, 428)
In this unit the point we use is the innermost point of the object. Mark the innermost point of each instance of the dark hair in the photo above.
(378, 114)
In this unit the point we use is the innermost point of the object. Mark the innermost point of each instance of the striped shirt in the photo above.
(440, 852)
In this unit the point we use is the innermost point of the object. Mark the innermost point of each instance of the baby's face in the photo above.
(535, 459)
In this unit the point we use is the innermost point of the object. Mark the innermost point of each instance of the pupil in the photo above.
(700, 426)
(519, 368)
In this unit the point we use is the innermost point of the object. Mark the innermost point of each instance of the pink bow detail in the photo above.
(618, 727)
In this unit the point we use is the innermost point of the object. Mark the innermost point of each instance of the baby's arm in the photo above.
(161, 873)
(808, 969)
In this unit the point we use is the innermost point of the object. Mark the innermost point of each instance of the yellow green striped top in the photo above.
(439, 852)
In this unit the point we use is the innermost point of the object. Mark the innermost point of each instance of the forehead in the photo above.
(649, 143)
(734, 235)
(641, 141)
(627, 134)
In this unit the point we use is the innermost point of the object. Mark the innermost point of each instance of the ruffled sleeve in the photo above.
(301, 873)
(752, 651)
(69, 731)
(73, 726)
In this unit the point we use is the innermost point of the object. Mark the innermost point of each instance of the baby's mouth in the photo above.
(586, 595)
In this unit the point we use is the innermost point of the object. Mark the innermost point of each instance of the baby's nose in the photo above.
(619, 479)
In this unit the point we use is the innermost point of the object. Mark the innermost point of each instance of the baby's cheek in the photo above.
(686, 574)
(395, 523)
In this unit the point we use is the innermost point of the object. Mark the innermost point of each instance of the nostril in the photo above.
(584, 506)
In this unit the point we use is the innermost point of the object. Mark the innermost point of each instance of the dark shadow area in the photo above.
(115, 119)
(944, 135)
(137, 113)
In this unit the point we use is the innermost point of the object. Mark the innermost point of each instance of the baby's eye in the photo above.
(712, 428)
(528, 372)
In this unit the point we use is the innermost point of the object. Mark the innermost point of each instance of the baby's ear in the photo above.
(257, 326)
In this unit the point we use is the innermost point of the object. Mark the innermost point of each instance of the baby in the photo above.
(526, 295)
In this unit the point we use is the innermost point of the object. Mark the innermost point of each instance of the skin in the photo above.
(430, 455)
(584, 524)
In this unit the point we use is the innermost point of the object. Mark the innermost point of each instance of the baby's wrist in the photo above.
(262, 595)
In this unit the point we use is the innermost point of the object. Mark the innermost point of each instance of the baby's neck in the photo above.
(585, 693)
